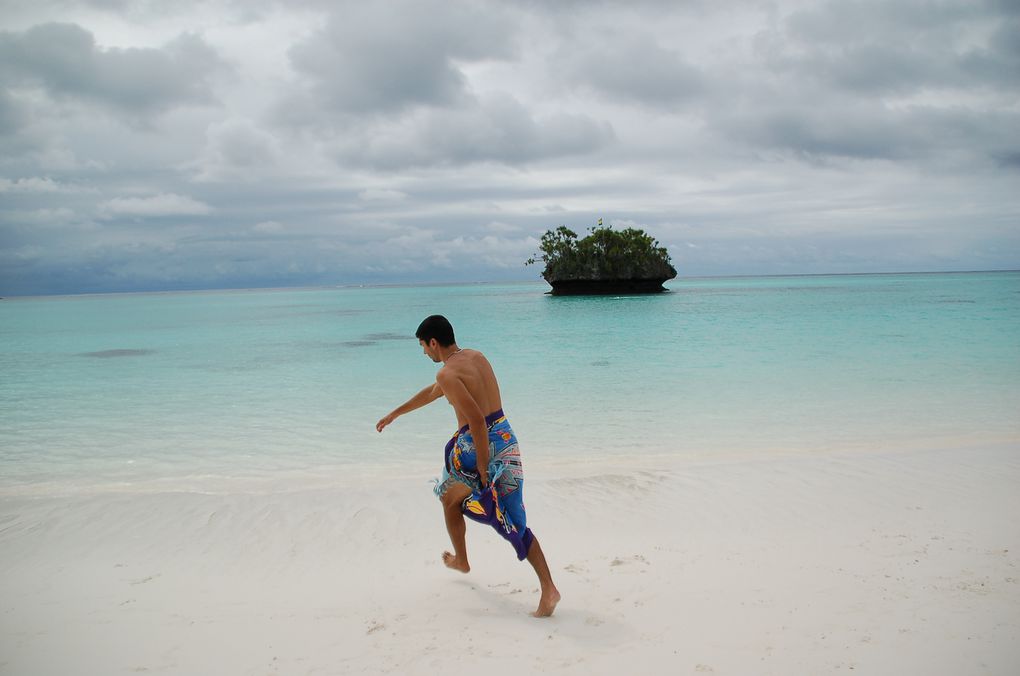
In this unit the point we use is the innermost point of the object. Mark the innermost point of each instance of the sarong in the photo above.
(501, 503)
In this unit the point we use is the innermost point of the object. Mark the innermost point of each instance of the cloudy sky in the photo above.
(251, 143)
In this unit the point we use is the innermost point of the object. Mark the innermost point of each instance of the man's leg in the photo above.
(455, 526)
(550, 595)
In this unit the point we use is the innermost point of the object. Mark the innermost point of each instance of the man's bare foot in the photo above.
(547, 604)
(452, 561)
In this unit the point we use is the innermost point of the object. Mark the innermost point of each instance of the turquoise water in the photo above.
(121, 387)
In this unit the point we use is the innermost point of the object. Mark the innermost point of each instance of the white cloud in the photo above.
(164, 204)
(382, 195)
(29, 185)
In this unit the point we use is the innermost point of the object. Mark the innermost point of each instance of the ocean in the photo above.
(193, 388)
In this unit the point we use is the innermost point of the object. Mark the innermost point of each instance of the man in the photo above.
(483, 478)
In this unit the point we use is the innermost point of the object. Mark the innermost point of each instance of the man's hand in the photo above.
(386, 420)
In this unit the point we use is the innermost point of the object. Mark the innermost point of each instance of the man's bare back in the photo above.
(472, 369)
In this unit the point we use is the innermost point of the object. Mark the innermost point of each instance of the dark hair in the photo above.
(438, 327)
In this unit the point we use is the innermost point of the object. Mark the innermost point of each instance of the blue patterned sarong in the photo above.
(501, 503)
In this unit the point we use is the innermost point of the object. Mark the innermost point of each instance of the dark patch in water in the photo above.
(956, 300)
(357, 343)
(387, 336)
(320, 313)
(600, 363)
(108, 354)
(373, 338)
(340, 313)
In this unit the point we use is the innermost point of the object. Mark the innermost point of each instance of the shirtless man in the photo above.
(483, 477)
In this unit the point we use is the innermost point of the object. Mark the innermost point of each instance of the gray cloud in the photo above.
(635, 68)
(65, 60)
(35, 184)
(999, 62)
(240, 144)
(496, 129)
(1009, 159)
(237, 150)
(913, 82)
(387, 85)
(838, 126)
(12, 114)
(878, 47)
(374, 57)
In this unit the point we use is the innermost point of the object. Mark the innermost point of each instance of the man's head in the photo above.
(435, 332)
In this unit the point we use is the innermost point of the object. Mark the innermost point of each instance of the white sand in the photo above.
(871, 563)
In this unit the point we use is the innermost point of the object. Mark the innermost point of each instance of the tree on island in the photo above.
(606, 261)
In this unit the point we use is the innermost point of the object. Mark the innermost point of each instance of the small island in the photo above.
(607, 261)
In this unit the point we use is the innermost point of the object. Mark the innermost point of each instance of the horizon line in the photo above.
(384, 285)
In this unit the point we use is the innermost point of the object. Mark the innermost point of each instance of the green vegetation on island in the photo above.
(606, 261)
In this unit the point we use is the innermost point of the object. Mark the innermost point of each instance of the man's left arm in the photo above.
(468, 408)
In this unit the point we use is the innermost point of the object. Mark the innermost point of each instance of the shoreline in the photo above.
(336, 474)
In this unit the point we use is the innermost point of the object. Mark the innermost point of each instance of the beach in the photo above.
(875, 563)
(798, 475)
(735, 286)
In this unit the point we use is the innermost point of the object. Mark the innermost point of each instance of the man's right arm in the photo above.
(427, 395)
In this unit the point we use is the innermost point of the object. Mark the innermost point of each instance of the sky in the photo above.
(148, 145)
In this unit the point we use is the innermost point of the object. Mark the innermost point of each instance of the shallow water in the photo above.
(236, 383)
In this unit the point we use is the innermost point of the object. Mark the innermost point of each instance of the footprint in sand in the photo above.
(144, 579)
(636, 558)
